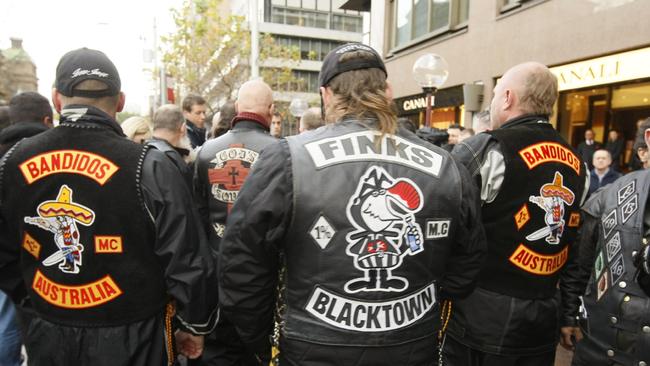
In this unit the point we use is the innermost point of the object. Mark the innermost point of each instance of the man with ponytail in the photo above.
(346, 241)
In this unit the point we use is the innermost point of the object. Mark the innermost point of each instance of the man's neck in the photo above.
(171, 137)
(601, 172)
(199, 125)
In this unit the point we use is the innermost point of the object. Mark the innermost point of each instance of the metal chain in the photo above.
(280, 307)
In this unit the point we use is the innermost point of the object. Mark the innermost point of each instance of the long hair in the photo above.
(362, 94)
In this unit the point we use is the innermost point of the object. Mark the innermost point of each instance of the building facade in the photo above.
(314, 27)
(599, 49)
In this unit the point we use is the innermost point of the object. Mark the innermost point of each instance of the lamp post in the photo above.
(298, 107)
(430, 71)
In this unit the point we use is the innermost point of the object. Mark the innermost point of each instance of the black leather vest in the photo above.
(617, 309)
(86, 243)
(175, 158)
(535, 215)
(371, 231)
(223, 165)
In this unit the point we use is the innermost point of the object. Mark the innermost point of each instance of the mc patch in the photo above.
(437, 229)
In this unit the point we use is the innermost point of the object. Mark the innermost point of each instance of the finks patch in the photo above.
(361, 146)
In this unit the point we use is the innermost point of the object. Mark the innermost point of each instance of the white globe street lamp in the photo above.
(430, 71)
(297, 108)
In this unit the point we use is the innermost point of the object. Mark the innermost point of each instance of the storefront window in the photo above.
(603, 109)
(583, 110)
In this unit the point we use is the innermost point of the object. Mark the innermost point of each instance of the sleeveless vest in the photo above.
(372, 227)
(86, 244)
(535, 215)
(616, 308)
(223, 165)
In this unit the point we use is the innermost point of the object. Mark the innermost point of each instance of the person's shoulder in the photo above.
(476, 144)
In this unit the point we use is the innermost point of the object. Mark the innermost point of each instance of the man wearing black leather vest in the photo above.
(373, 227)
(221, 169)
(614, 255)
(532, 184)
(170, 137)
(99, 241)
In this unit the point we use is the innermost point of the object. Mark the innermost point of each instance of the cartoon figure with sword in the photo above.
(552, 198)
(60, 217)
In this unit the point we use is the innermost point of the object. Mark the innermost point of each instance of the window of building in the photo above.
(310, 49)
(507, 5)
(323, 14)
(414, 19)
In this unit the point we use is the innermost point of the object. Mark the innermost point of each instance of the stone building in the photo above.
(17, 71)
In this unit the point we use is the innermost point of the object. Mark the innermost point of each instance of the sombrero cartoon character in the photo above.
(552, 198)
(60, 217)
(382, 210)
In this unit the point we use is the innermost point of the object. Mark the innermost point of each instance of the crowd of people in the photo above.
(362, 240)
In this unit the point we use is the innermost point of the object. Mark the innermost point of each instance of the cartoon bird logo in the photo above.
(383, 211)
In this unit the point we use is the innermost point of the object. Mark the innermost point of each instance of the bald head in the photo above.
(528, 88)
(255, 96)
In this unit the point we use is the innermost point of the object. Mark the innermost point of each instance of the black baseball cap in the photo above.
(86, 64)
(332, 65)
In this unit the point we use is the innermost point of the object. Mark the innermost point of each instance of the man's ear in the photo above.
(56, 100)
(389, 90)
(327, 94)
(120, 102)
(47, 120)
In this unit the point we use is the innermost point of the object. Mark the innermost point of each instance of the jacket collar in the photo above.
(85, 114)
(525, 119)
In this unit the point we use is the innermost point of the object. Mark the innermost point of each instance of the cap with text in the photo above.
(86, 64)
